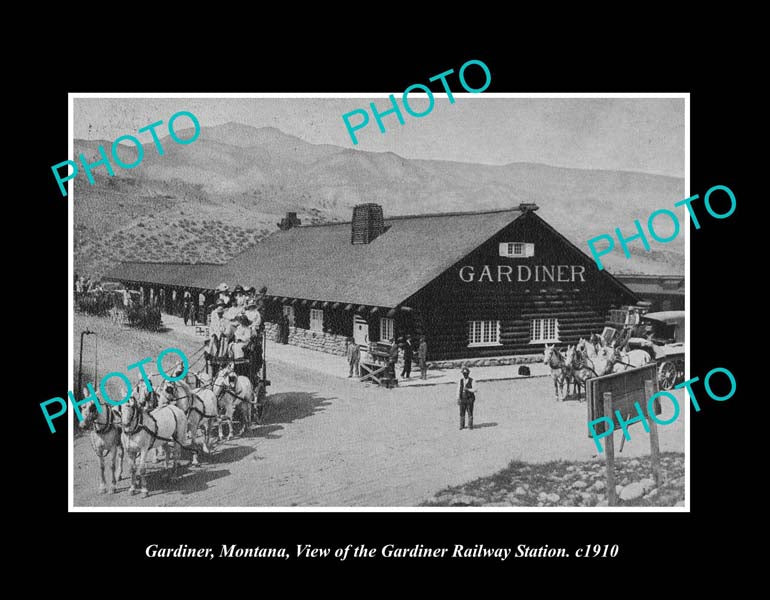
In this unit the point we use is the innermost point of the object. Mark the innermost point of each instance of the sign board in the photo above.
(626, 388)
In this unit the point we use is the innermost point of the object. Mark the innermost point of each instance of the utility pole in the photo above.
(79, 389)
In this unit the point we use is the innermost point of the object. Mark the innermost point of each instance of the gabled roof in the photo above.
(318, 262)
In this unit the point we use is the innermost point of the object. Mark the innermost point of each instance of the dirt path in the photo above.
(334, 442)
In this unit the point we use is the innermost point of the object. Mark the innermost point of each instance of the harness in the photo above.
(561, 362)
(192, 407)
(231, 390)
(202, 413)
(108, 426)
(142, 426)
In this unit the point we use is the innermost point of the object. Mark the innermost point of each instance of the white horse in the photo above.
(105, 440)
(233, 391)
(622, 361)
(199, 406)
(554, 359)
(143, 430)
(583, 367)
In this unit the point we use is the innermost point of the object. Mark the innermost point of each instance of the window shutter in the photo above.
(529, 249)
(503, 248)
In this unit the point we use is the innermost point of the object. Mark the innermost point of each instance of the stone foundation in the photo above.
(459, 363)
(335, 344)
(312, 340)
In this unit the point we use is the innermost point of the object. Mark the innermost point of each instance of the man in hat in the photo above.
(234, 309)
(353, 353)
(223, 295)
(408, 351)
(239, 296)
(422, 356)
(466, 396)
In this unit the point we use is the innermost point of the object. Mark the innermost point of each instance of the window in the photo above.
(316, 319)
(289, 312)
(517, 249)
(387, 329)
(544, 330)
(483, 333)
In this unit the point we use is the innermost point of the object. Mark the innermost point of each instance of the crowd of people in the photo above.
(236, 326)
(85, 284)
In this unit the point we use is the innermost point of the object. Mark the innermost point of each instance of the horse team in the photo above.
(587, 359)
(164, 419)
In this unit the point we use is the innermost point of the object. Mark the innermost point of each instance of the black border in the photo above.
(606, 65)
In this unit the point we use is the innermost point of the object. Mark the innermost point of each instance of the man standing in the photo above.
(408, 354)
(283, 329)
(422, 356)
(354, 357)
(392, 360)
(466, 396)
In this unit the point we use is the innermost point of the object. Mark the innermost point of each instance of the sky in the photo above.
(631, 134)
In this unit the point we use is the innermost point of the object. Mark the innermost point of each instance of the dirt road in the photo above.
(334, 442)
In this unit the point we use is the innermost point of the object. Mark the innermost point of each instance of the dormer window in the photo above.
(517, 249)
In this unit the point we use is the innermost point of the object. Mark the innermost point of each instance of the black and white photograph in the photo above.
(322, 302)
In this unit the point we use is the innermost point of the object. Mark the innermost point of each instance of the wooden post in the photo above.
(654, 442)
(609, 451)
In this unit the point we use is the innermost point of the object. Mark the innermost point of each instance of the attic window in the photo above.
(517, 249)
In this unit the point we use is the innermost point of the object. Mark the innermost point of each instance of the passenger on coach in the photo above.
(218, 329)
(223, 294)
(251, 310)
(242, 336)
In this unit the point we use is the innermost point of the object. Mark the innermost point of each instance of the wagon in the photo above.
(253, 367)
(665, 330)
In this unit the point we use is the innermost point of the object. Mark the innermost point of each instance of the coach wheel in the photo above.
(667, 375)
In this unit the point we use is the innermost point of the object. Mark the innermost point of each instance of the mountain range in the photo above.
(210, 199)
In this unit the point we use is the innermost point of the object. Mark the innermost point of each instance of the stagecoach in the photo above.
(254, 367)
(660, 334)
(664, 331)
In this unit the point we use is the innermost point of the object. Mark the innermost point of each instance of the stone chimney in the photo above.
(289, 221)
(368, 223)
(527, 206)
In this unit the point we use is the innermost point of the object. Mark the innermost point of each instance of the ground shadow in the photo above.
(228, 454)
(288, 407)
(186, 480)
(482, 425)
(262, 431)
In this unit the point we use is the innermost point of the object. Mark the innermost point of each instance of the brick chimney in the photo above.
(368, 223)
(527, 206)
(289, 221)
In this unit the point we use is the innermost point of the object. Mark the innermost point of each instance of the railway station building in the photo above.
(488, 287)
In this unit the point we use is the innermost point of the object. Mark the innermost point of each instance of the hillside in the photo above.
(209, 200)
